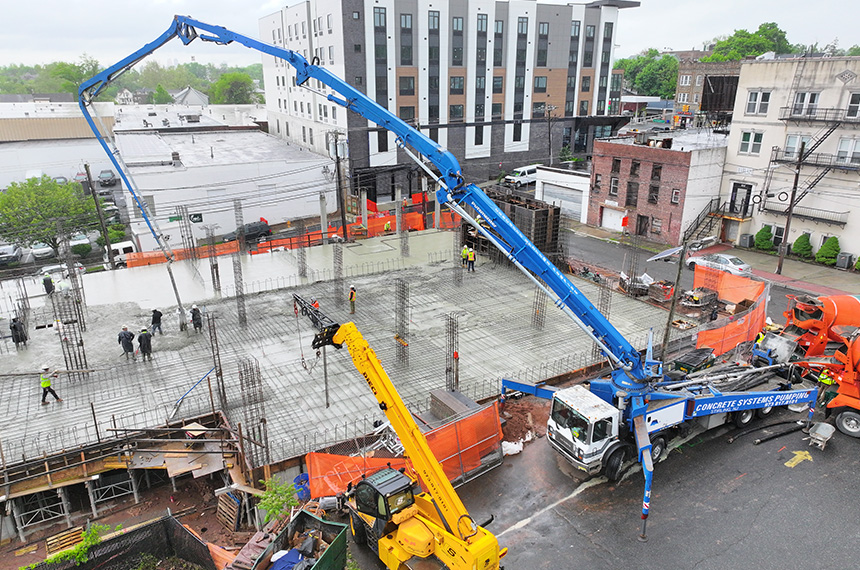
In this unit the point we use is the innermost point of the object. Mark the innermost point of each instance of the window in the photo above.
(457, 56)
(805, 103)
(497, 54)
(589, 31)
(653, 194)
(656, 171)
(497, 83)
(854, 106)
(538, 109)
(569, 107)
(433, 112)
(695, 97)
(778, 234)
(310, 136)
(583, 108)
(433, 54)
(540, 84)
(519, 82)
(405, 55)
(596, 186)
(479, 135)
(574, 29)
(758, 102)
(848, 151)
(303, 29)
(457, 24)
(406, 21)
(381, 52)
(328, 21)
(676, 195)
(522, 26)
(482, 23)
(683, 80)
(792, 145)
(407, 86)
(304, 134)
(479, 111)
(499, 27)
(302, 107)
(616, 165)
(496, 110)
(588, 58)
(613, 187)
(585, 84)
(433, 20)
(333, 114)
(541, 56)
(481, 55)
(455, 112)
(379, 17)
(358, 80)
(571, 81)
(607, 30)
(518, 131)
(382, 141)
(699, 79)
(750, 142)
(480, 83)
(682, 97)
(602, 81)
(433, 83)
(357, 48)
(457, 85)
(634, 168)
(543, 29)
(656, 225)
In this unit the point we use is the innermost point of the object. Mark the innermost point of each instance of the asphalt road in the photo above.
(599, 253)
(714, 506)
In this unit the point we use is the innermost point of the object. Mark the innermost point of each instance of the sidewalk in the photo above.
(806, 277)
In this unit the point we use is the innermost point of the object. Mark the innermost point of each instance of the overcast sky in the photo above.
(62, 30)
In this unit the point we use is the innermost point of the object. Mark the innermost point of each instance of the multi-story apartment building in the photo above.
(781, 105)
(498, 83)
(705, 91)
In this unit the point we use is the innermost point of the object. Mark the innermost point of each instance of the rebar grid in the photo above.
(75, 289)
(68, 329)
(253, 404)
(401, 319)
(604, 306)
(539, 308)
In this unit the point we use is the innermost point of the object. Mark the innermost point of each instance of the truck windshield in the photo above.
(565, 417)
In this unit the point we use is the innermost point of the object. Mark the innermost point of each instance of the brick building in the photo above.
(659, 182)
(705, 91)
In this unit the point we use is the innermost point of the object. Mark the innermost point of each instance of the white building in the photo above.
(480, 77)
(779, 105)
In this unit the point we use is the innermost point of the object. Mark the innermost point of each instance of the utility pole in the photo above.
(341, 200)
(676, 292)
(101, 216)
(549, 120)
(784, 245)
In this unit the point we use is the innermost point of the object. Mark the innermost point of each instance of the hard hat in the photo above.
(313, 299)
(470, 249)
(45, 368)
(124, 327)
(193, 306)
(143, 329)
(47, 274)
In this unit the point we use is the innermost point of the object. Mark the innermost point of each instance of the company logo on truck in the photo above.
(733, 403)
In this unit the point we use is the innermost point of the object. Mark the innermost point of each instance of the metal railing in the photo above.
(814, 113)
(807, 213)
(817, 159)
(713, 206)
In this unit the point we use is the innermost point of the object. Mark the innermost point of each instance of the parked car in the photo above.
(111, 214)
(79, 239)
(107, 178)
(522, 176)
(9, 254)
(721, 261)
(81, 177)
(42, 250)
(61, 180)
(253, 231)
(61, 269)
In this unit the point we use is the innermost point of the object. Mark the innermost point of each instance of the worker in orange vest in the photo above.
(314, 303)
(471, 259)
(352, 299)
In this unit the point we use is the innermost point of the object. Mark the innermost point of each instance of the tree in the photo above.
(233, 89)
(741, 44)
(161, 96)
(802, 247)
(277, 498)
(764, 239)
(30, 210)
(650, 74)
(565, 154)
(828, 252)
(73, 74)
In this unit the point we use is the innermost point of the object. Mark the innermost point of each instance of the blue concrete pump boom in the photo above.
(631, 374)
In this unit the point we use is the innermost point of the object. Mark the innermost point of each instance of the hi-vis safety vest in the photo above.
(352, 294)
(825, 377)
(471, 256)
(46, 380)
(465, 252)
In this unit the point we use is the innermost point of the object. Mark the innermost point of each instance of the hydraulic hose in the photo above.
(749, 430)
(776, 435)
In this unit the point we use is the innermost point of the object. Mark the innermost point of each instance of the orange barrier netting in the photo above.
(458, 446)
(732, 288)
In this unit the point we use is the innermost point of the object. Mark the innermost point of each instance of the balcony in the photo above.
(815, 114)
(818, 159)
(806, 213)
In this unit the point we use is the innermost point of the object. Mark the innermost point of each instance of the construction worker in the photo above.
(825, 380)
(48, 283)
(352, 299)
(144, 340)
(155, 325)
(387, 226)
(759, 337)
(314, 303)
(465, 255)
(19, 335)
(196, 319)
(125, 338)
(46, 377)
(471, 259)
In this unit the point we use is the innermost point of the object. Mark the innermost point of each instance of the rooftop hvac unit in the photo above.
(747, 240)
(844, 260)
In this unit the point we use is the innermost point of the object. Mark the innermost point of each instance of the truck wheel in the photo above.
(357, 528)
(764, 412)
(744, 417)
(658, 446)
(691, 266)
(613, 470)
(848, 423)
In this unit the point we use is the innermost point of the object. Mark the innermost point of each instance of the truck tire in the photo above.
(848, 422)
(764, 412)
(356, 526)
(691, 266)
(614, 463)
(743, 418)
(658, 448)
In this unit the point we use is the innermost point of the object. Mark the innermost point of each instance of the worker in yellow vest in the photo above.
(352, 299)
(471, 259)
(825, 380)
(464, 255)
(46, 385)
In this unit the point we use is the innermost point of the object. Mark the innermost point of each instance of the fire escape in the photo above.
(802, 110)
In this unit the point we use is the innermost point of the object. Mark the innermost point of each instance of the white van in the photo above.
(522, 176)
(120, 251)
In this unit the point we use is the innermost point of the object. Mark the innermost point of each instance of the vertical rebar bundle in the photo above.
(69, 332)
(403, 230)
(452, 349)
(301, 252)
(216, 362)
(251, 384)
(75, 288)
(539, 308)
(185, 232)
(401, 319)
(339, 293)
(238, 279)
(213, 259)
(604, 306)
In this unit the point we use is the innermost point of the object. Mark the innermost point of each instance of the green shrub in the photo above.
(278, 498)
(80, 552)
(764, 239)
(82, 249)
(857, 265)
(828, 252)
(802, 247)
(116, 233)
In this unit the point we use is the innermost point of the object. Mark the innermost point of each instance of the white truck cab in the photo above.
(120, 253)
(522, 176)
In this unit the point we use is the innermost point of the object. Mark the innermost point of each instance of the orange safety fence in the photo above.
(140, 259)
(459, 446)
(739, 328)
